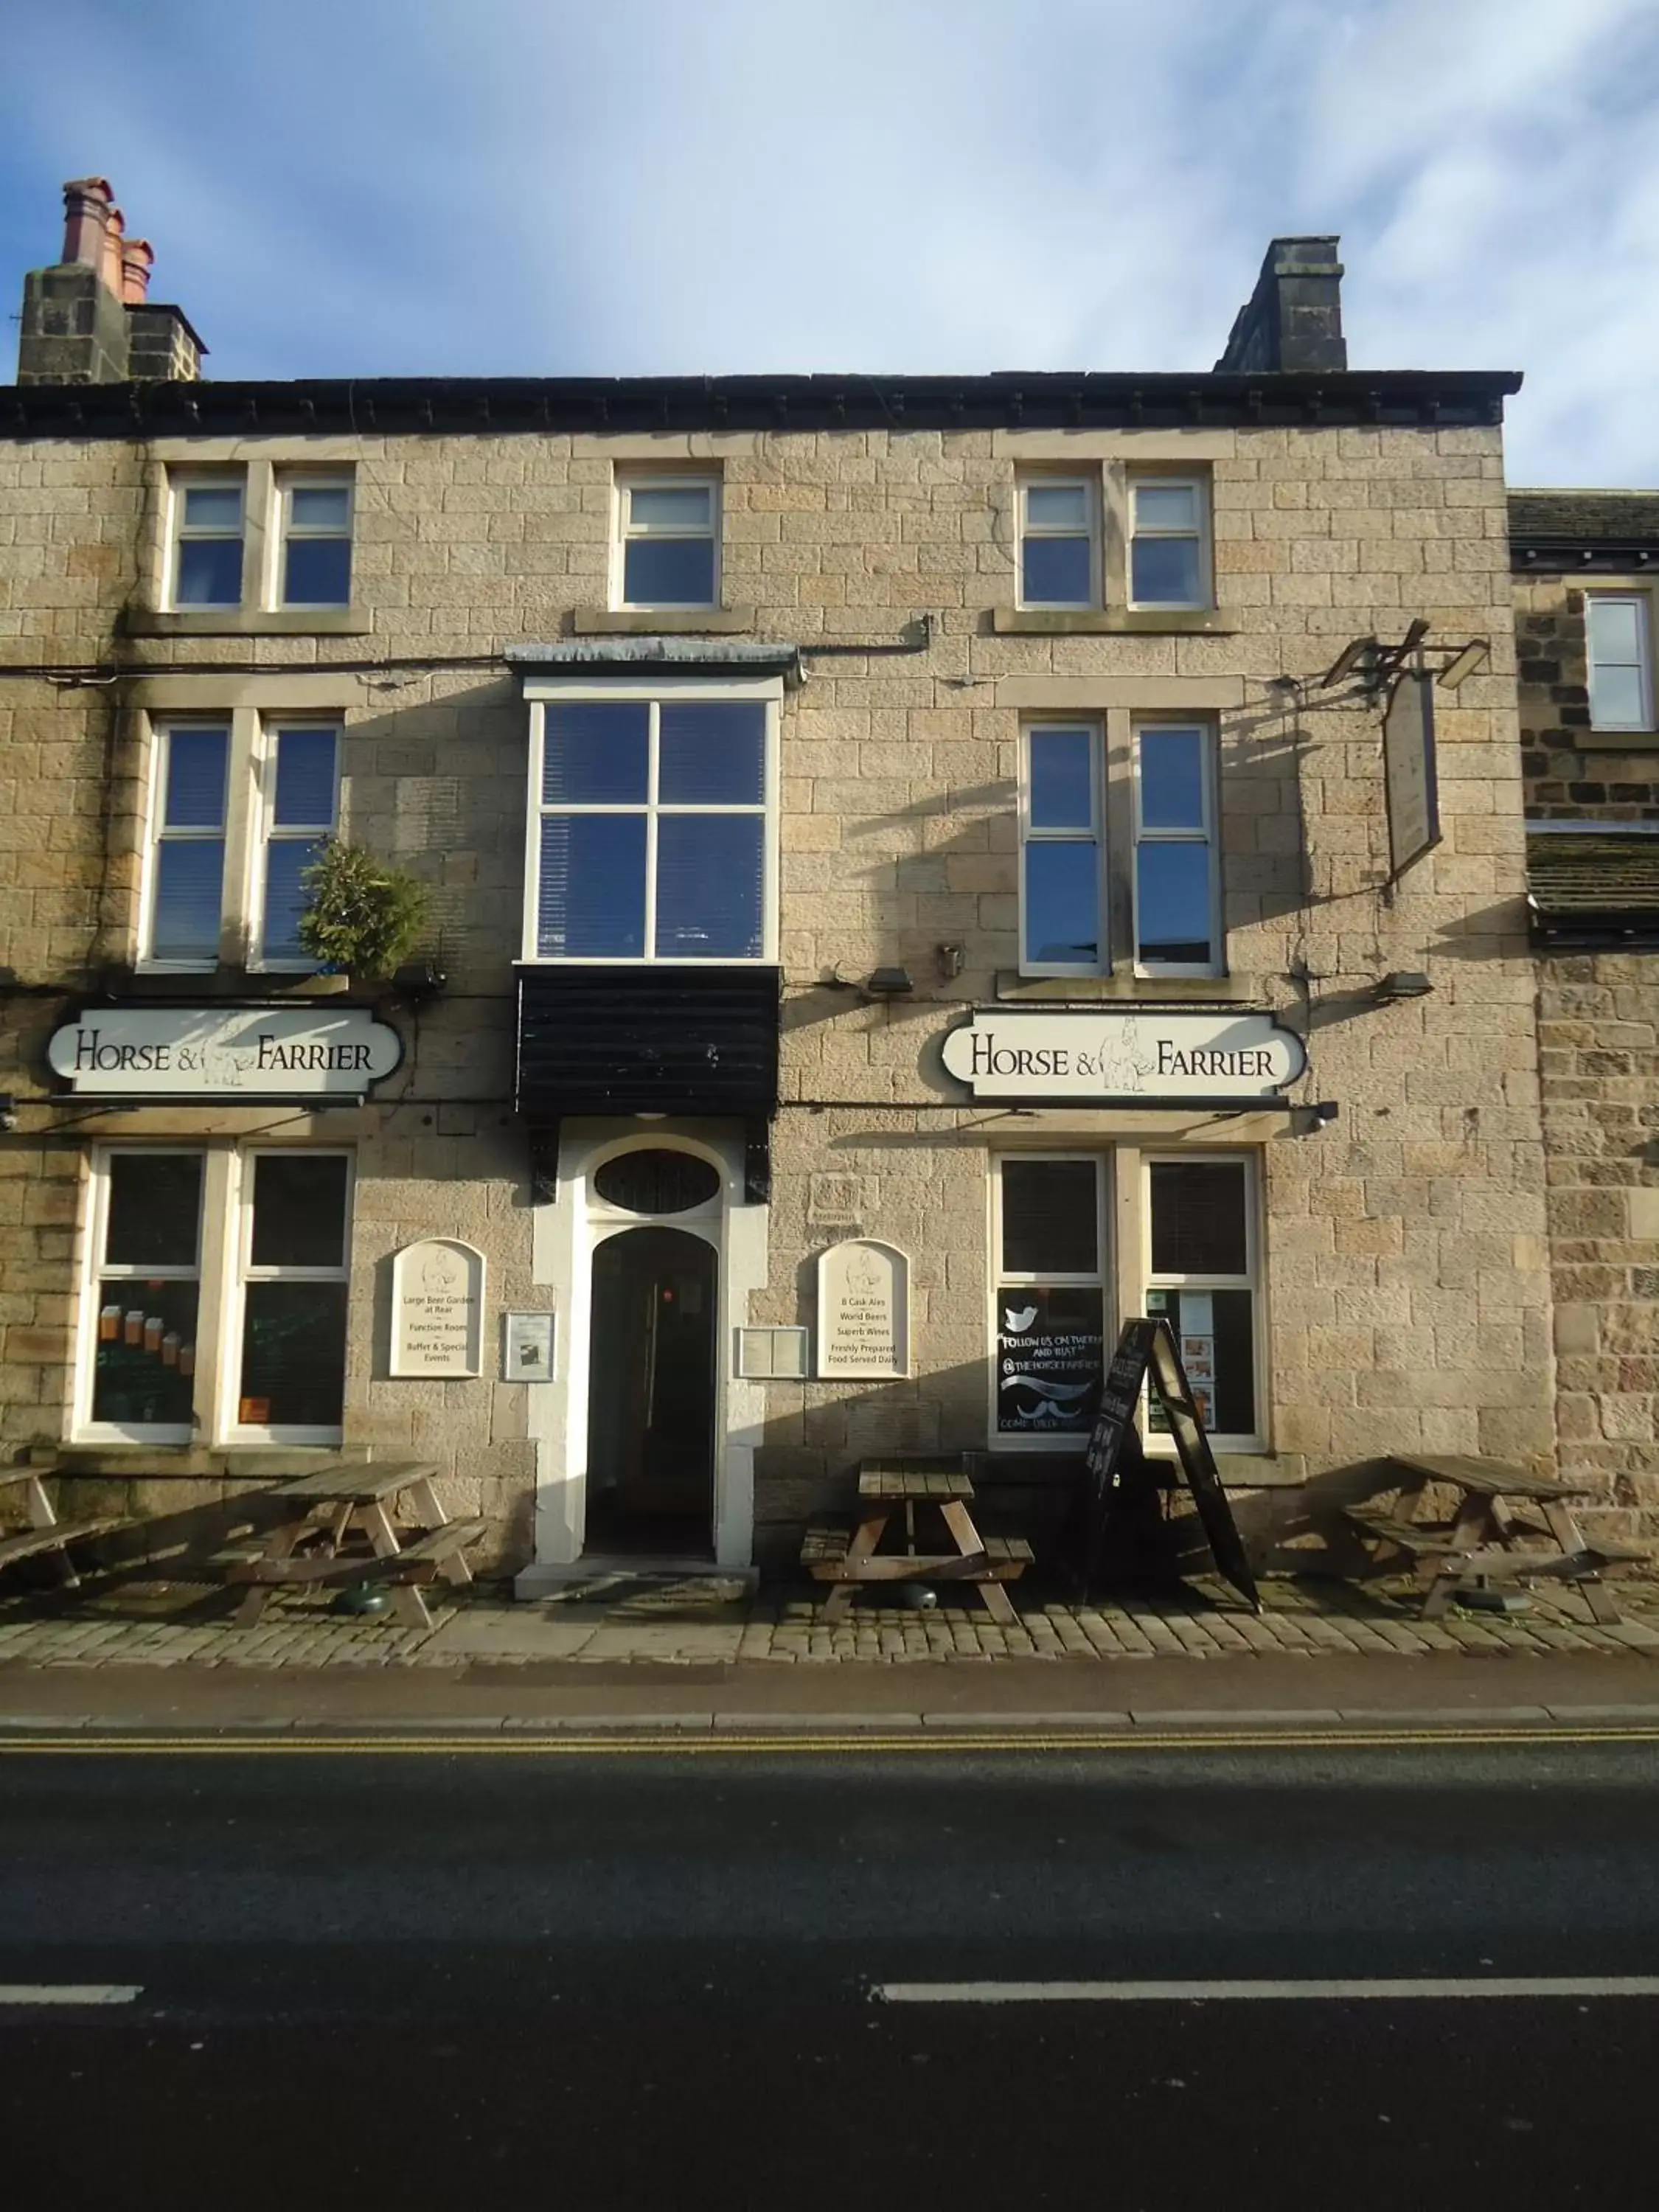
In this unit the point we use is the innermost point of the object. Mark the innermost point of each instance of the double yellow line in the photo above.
(929, 1742)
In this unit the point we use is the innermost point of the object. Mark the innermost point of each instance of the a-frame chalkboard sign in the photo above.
(1147, 1348)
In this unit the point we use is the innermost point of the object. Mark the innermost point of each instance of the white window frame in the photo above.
(287, 481)
(179, 481)
(1102, 1278)
(624, 483)
(1090, 488)
(268, 729)
(769, 692)
(1158, 480)
(224, 1231)
(233, 1428)
(1094, 727)
(1642, 602)
(94, 1271)
(156, 834)
(1162, 1445)
(1209, 837)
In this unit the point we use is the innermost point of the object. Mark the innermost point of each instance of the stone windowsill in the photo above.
(1140, 990)
(1616, 741)
(1246, 1470)
(229, 983)
(247, 621)
(1115, 622)
(190, 1462)
(665, 622)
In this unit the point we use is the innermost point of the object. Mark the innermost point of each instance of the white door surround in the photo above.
(565, 1233)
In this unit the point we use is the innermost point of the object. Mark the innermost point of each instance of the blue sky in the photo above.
(363, 187)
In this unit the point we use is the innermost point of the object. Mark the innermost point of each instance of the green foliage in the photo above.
(364, 918)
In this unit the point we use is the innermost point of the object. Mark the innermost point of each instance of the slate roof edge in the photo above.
(1008, 400)
(1582, 526)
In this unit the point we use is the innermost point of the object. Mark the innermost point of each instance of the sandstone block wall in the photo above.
(1407, 1277)
(1598, 1034)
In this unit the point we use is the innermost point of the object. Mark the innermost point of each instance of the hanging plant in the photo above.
(364, 918)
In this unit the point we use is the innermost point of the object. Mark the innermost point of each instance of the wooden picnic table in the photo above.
(44, 1532)
(1480, 1544)
(338, 1505)
(849, 1558)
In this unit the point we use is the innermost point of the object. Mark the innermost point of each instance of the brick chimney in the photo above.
(1293, 319)
(87, 319)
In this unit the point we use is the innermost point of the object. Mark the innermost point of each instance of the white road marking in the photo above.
(1491, 1985)
(68, 1993)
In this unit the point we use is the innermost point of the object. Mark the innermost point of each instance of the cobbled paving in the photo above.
(173, 1624)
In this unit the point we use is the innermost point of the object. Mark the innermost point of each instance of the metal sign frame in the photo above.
(1410, 778)
(1146, 1351)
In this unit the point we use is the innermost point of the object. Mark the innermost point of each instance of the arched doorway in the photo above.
(650, 1394)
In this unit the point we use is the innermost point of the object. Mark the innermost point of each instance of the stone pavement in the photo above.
(666, 1624)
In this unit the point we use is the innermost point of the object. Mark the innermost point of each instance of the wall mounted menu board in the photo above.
(1147, 1350)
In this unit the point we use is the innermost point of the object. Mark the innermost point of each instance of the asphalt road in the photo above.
(653, 1981)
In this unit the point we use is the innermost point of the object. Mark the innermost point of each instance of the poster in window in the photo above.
(1050, 1348)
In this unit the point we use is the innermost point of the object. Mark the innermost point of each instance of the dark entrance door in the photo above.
(650, 1394)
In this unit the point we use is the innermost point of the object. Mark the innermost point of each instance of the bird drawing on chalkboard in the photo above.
(1018, 1323)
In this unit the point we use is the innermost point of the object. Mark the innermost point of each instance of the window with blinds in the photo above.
(653, 832)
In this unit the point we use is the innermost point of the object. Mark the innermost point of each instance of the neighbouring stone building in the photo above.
(1587, 574)
(910, 886)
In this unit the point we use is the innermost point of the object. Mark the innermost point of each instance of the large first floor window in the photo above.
(1190, 1223)
(653, 828)
(216, 1306)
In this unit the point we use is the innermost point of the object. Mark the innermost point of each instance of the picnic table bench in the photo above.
(849, 1556)
(1480, 1544)
(333, 1506)
(44, 1532)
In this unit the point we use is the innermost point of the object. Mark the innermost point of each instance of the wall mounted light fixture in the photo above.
(1401, 983)
(889, 983)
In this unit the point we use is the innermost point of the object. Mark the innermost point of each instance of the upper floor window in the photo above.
(1061, 879)
(315, 538)
(1059, 541)
(1620, 649)
(1166, 813)
(298, 522)
(668, 541)
(1169, 549)
(300, 807)
(269, 790)
(653, 830)
(1178, 888)
(209, 520)
(187, 858)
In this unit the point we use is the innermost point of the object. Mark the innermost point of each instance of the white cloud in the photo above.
(538, 186)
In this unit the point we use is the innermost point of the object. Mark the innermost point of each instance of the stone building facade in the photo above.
(1587, 573)
(906, 893)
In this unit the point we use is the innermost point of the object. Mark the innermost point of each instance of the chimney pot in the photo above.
(137, 259)
(87, 203)
(114, 235)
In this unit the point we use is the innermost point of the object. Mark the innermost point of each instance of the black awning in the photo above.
(648, 1040)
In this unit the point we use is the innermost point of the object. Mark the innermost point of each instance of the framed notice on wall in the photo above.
(527, 1347)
